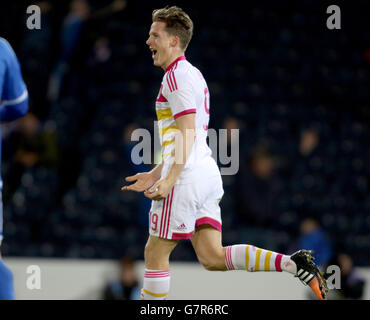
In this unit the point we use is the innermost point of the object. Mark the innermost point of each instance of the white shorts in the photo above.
(186, 207)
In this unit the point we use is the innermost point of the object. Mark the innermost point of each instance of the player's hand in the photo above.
(143, 180)
(159, 190)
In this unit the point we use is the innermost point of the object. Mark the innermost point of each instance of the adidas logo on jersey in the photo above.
(181, 227)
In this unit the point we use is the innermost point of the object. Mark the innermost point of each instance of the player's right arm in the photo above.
(13, 91)
(144, 180)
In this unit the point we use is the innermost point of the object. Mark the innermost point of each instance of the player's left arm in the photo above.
(14, 109)
(184, 142)
(13, 94)
(179, 91)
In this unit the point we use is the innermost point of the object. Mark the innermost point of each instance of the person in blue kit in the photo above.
(13, 105)
(314, 237)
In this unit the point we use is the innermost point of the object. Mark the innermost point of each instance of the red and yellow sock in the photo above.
(251, 258)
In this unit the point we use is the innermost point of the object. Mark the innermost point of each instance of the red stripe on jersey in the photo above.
(168, 82)
(173, 76)
(170, 75)
(161, 98)
(171, 80)
(174, 80)
(171, 65)
(184, 112)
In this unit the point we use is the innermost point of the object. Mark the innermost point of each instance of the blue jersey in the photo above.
(13, 93)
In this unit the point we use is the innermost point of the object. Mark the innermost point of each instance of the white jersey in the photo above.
(183, 91)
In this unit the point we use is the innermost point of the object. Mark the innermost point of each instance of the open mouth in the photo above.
(154, 52)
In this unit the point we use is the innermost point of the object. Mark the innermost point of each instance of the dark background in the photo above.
(274, 71)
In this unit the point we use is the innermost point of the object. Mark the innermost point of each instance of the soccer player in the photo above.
(13, 104)
(186, 187)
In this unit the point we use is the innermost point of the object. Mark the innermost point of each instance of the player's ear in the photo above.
(175, 41)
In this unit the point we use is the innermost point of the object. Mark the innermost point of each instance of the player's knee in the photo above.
(157, 252)
(212, 262)
(149, 251)
(209, 265)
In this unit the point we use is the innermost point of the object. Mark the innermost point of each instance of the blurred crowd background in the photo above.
(298, 92)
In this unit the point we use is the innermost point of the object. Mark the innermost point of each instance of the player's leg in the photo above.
(214, 257)
(6, 276)
(157, 252)
(207, 243)
(156, 282)
(171, 219)
(159, 246)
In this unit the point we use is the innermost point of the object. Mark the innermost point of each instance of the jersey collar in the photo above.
(171, 65)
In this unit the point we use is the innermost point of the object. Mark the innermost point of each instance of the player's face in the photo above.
(160, 43)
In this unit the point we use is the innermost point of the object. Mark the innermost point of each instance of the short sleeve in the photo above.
(179, 93)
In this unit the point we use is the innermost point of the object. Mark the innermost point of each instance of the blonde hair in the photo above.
(178, 23)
